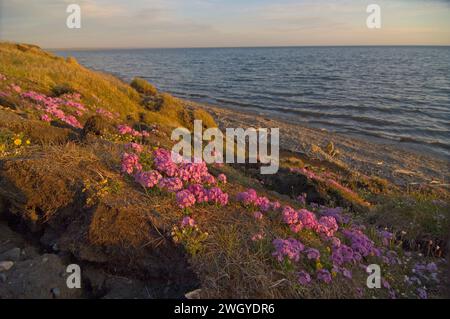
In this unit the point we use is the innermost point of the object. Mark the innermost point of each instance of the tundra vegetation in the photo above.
(86, 171)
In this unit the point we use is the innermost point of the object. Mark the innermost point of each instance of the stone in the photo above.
(6, 265)
(12, 254)
(56, 292)
(193, 294)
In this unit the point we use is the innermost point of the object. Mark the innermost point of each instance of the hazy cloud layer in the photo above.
(194, 23)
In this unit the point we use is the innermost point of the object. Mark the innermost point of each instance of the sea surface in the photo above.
(399, 95)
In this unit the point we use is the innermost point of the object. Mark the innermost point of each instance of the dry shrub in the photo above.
(143, 87)
(10, 102)
(71, 60)
(62, 89)
(205, 117)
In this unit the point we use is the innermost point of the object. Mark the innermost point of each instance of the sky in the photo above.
(223, 23)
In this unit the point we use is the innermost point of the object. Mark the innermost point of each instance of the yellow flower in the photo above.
(319, 266)
(28, 142)
(17, 142)
(328, 249)
(333, 273)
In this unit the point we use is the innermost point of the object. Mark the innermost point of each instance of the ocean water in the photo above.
(396, 94)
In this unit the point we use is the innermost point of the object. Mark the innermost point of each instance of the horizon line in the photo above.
(242, 47)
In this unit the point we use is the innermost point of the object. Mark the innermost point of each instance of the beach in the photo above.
(400, 165)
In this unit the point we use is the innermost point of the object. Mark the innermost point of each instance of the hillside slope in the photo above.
(86, 177)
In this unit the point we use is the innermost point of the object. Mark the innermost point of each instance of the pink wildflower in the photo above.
(208, 179)
(290, 216)
(16, 88)
(130, 163)
(307, 218)
(46, 118)
(263, 203)
(312, 254)
(105, 113)
(222, 178)
(247, 198)
(200, 193)
(258, 237)
(324, 275)
(136, 147)
(289, 248)
(258, 215)
(172, 184)
(148, 179)
(124, 129)
(216, 195)
(304, 278)
(185, 199)
(296, 228)
(302, 199)
(187, 222)
(275, 205)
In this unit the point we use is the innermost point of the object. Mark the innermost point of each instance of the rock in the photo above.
(2, 277)
(29, 252)
(56, 292)
(9, 239)
(125, 288)
(193, 294)
(33, 279)
(12, 254)
(6, 265)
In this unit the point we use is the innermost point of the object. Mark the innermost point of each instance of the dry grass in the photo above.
(127, 227)
(143, 87)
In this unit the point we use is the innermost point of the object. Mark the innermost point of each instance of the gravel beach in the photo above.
(399, 165)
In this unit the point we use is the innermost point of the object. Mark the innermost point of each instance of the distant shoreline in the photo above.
(250, 47)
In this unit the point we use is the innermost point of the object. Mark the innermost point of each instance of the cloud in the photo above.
(175, 23)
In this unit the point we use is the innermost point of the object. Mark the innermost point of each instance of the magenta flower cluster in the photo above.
(187, 222)
(171, 184)
(107, 114)
(303, 218)
(53, 107)
(185, 179)
(148, 179)
(360, 243)
(185, 199)
(250, 197)
(135, 147)
(130, 163)
(287, 248)
(128, 130)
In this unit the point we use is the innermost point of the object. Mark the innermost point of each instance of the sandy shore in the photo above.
(401, 166)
